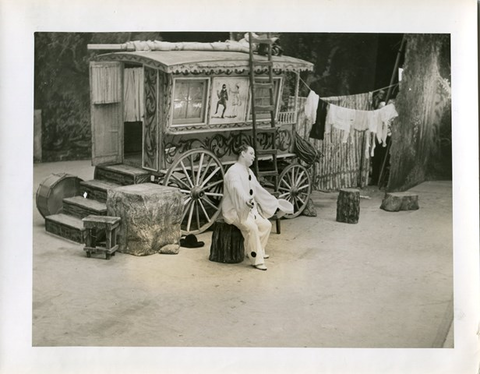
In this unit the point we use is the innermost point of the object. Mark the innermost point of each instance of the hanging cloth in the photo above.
(318, 128)
(311, 107)
(133, 106)
(341, 118)
(359, 101)
(379, 125)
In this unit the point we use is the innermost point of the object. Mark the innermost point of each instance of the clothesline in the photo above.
(378, 89)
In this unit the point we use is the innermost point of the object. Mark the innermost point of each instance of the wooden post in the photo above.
(348, 205)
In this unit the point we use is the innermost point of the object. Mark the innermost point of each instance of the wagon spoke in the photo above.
(297, 182)
(185, 191)
(190, 215)
(198, 216)
(206, 170)
(212, 185)
(200, 168)
(210, 176)
(283, 194)
(298, 197)
(180, 181)
(285, 182)
(302, 181)
(214, 194)
(303, 187)
(187, 200)
(207, 200)
(192, 169)
(186, 208)
(186, 173)
(204, 211)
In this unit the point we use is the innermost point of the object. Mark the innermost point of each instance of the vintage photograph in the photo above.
(178, 205)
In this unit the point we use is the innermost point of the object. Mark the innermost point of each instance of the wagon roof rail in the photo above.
(193, 58)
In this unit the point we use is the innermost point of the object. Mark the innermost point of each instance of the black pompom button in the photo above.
(251, 192)
(253, 254)
(249, 177)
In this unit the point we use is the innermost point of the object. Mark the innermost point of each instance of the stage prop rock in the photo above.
(227, 244)
(348, 205)
(310, 210)
(396, 201)
(151, 216)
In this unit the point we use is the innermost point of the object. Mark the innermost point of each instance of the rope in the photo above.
(378, 89)
(305, 151)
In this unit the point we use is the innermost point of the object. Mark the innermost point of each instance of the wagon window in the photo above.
(262, 98)
(189, 101)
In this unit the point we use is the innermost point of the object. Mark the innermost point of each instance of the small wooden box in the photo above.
(95, 226)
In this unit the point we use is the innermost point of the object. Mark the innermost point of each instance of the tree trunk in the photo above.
(227, 244)
(424, 97)
(348, 205)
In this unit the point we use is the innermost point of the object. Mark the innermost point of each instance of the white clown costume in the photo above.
(240, 186)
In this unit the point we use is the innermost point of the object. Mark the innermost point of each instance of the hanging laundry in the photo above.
(341, 118)
(379, 125)
(311, 107)
(318, 128)
(387, 114)
(359, 101)
(362, 120)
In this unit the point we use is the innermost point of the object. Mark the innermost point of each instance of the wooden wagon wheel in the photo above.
(199, 175)
(294, 185)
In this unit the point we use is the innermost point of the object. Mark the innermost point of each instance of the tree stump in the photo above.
(227, 244)
(396, 201)
(348, 205)
(151, 215)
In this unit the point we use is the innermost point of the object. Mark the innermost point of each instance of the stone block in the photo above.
(397, 201)
(151, 216)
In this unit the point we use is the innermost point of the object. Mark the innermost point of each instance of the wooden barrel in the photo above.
(53, 190)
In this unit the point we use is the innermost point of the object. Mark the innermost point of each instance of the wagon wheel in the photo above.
(199, 175)
(294, 185)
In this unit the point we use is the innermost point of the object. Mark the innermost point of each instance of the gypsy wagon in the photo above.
(180, 110)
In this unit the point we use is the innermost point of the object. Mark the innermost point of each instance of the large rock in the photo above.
(310, 210)
(151, 216)
(396, 201)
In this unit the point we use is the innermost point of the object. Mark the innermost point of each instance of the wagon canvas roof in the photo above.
(203, 61)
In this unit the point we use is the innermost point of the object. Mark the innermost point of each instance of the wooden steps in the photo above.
(65, 226)
(80, 207)
(122, 175)
(97, 189)
(91, 200)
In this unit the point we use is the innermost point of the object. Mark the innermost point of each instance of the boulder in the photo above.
(151, 217)
(310, 210)
(170, 249)
(396, 201)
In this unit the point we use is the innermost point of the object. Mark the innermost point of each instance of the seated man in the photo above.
(247, 205)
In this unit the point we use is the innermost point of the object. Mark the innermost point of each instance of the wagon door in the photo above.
(106, 112)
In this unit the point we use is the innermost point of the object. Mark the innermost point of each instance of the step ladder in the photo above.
(264, 83)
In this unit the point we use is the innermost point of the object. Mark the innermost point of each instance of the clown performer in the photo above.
(247, 205)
